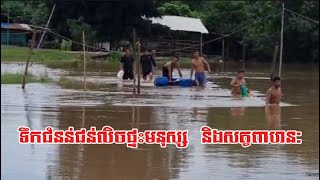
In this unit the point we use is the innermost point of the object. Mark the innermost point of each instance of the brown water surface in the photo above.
(42, 105)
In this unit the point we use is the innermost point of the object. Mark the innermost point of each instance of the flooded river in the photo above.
(170, 108)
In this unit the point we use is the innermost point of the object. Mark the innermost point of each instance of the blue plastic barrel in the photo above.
(186, 82)
(161, 81)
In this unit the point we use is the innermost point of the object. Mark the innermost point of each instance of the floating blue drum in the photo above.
(186, 82)
(161, 81)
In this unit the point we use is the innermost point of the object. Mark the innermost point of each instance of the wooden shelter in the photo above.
(186, 32)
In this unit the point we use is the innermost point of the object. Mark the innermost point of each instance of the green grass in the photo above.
(49, 57)
(11, 78)
(53, 58)
(16, 53)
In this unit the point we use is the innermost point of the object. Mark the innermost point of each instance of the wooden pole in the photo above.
(222, 49)
(281, 43)
(28, 58)
(243, 56)
(136, 59)
(83, 115)
(222, 54)
(138, 67)
(44, 32)
(275, 54)
(84, 62)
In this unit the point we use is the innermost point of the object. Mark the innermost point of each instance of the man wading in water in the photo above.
(147, 61)
(198, 64)
(274, 93)
(169, 66)
(126, 64)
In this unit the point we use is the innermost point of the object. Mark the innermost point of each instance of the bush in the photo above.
(114, 56)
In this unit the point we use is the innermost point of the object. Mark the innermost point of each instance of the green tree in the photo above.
(31, 12)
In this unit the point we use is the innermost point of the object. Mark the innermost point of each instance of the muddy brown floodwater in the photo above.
(42, 105)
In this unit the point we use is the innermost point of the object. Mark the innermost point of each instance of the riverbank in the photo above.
(11, 78)
(50, 57)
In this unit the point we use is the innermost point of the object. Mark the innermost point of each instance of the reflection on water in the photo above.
(237, 112)
(162, 108)
(273, 116)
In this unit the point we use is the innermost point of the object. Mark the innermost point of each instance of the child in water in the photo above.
(238, 85)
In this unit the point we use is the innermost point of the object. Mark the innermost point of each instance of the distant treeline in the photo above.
(113, 20)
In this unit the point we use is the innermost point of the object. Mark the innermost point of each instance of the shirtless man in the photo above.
(169, 66)
(274, 93)
(198, 64)
(237, 82)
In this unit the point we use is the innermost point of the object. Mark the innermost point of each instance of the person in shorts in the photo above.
(198, 65)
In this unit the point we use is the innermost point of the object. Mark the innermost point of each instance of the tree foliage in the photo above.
(107, 20)
(177, 9)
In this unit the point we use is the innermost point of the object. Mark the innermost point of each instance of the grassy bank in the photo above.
(52, 58)
(17, 79)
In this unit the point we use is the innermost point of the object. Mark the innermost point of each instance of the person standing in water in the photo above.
(126, 64)
(237, 82)
(147, 61)
(198, 65)
(274, 93)
(169, 66)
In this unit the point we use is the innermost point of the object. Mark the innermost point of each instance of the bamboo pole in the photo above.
(136, 58)
(275, 54)
(83, 116)
(84, 77)
(222, 49)
(44, 32)
(138, 67)
(243, 56)
(222, 54)
(28, 58)
(84, 62)
(281, 43)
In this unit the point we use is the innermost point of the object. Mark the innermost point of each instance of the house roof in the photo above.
(179, 23)
(16, 26)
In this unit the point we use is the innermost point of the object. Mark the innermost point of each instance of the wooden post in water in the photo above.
(281, 43)
(84, 78)
(222, 54)
(84, 62)
(28, 58)
(243, 56)
(138, 44)
(275, 54)
(136, 59)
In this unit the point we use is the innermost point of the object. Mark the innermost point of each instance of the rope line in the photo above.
(92, 47)
(302, 16)
(188, 47)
